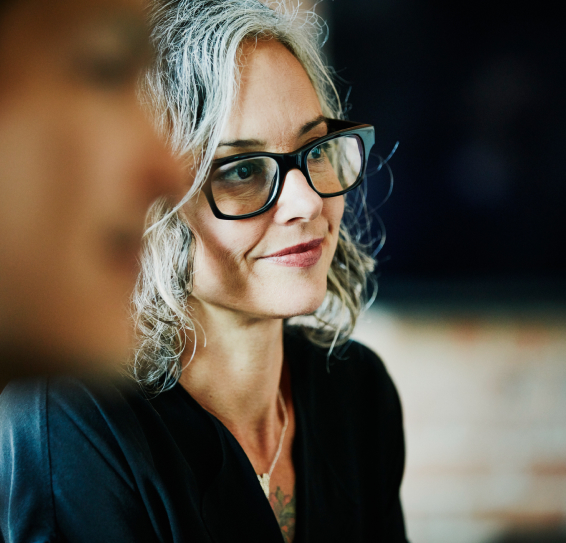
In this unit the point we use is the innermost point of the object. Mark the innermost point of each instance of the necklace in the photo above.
(266, 477)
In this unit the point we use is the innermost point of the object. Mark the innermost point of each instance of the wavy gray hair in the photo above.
(191, 88)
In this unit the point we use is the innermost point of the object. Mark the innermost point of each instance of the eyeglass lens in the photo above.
(335, 165)
(245, 186)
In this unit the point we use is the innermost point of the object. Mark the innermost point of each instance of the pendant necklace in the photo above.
(266, 477)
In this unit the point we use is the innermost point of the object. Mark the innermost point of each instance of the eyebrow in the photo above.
(243, 144)
(312, 124)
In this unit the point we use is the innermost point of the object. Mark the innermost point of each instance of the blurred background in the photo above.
(471, 312)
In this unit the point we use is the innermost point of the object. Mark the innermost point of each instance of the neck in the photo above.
(235, 372)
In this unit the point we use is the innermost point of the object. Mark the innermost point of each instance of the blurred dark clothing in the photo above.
(95, 462)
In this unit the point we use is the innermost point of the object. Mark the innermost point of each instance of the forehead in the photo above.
(275, 93)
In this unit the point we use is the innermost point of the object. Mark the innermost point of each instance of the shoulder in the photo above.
(60, 439)
(21, 395)
(350, 351)
(23, 445)
(71, 414)
(32, 406)
(40, 415)
(350, 414)
(353, 368)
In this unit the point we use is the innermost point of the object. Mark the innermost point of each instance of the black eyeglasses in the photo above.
(245, 185)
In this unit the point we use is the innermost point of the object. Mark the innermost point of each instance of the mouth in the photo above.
(302, 255)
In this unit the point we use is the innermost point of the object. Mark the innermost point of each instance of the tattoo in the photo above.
(284, 508)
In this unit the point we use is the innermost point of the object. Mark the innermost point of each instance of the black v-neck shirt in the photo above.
(88, 461)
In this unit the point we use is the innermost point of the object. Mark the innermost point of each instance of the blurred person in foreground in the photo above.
(79, 166)
(241, 426)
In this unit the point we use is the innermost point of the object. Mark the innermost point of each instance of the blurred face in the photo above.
(79, 166)
(273, 265)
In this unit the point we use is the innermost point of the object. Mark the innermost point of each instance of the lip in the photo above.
(302, 255)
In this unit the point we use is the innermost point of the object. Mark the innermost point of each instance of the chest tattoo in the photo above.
(283, 506)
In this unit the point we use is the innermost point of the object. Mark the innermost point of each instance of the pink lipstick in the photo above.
(302, 255)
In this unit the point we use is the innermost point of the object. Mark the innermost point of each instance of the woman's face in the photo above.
(79, 166)
(277, 110)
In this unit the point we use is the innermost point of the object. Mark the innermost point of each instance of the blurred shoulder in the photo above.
(27, 397)
(47, 425)
(31, 408)
(68, 445)
(21, 400)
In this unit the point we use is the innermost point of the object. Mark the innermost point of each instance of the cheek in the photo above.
(221, 247)
(333, 211)
(59, 211)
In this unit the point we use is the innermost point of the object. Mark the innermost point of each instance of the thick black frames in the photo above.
(286, 162)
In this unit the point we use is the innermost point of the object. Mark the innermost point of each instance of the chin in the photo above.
(296, 302)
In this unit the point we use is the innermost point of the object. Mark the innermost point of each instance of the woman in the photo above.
(254, 430)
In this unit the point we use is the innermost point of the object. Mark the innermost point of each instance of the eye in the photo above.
(316, 153)
(244, 171)
(241, 171)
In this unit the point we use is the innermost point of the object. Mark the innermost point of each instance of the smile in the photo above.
(303, 255)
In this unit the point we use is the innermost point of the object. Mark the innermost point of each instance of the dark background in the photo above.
(475, 94)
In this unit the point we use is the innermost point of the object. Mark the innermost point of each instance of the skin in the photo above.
(79, 166)
(240, 297)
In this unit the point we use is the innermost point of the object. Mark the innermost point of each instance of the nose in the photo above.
(298, 202)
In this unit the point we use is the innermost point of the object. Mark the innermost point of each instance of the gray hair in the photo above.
(191, 89)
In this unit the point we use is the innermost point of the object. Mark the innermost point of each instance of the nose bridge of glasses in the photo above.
(292, 161)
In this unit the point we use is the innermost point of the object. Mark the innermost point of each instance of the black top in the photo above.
(84, 461)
